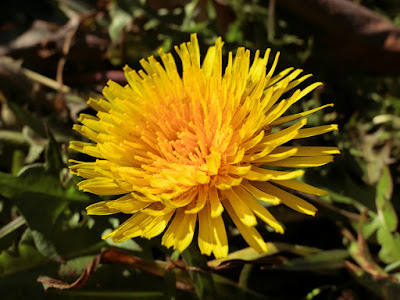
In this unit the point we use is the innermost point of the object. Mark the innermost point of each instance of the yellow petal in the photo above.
(302, 162)
(304, 133)
(101, 208)
(242, 211)
(288, 199)
(86, 148)
(86, 132)
(135, 229)
(205, 238)
(250, 234)
(225, 182)
(273, 156)
(254, 141)
(156, 209)
(221, 241)
(238, 170)
(157, 226)
(215, 203)
(307, 150)
(286, 119)
(279, 76)
(99, 105)
(198, 203)
(272, 137)
(129, 229)
(182, 200)
(213, 162)
(301, 187)
(260, 174)
(259, 210)
(180, 233)
(104, 186)
(212, 234)
(126, 204)
(260, 195)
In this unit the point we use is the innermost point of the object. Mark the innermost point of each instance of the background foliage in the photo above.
(54, 55)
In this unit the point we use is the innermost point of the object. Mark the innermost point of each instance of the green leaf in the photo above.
(28, 119)
(170, 284)
(28, 257)
(326, 260)
(249, 254)
(36, 180)
(204, 284)
(44, 245)
(77, 241)
(41, 199)
(119, 20)
(372, 226)
(17, 162)
(245, 275)
(384, 190)
(384, 286)
(376, 162)
(40, 209)
(74, 267)
(54, 162)
(35, 190)
(227, 289)
(392, 266)
(390, 243)
(10, 227)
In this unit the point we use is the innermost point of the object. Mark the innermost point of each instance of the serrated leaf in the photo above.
(372, 226)
(390, 245)
(359, 251)
(384, 190)
(376, 160)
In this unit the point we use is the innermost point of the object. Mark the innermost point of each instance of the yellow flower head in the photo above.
(182, 149)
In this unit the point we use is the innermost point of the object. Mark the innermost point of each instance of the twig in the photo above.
(51, 83)
(271, 20)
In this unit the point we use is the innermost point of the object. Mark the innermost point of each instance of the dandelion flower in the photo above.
(181, 149)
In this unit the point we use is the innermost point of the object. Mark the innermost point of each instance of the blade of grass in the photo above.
(13, 225)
